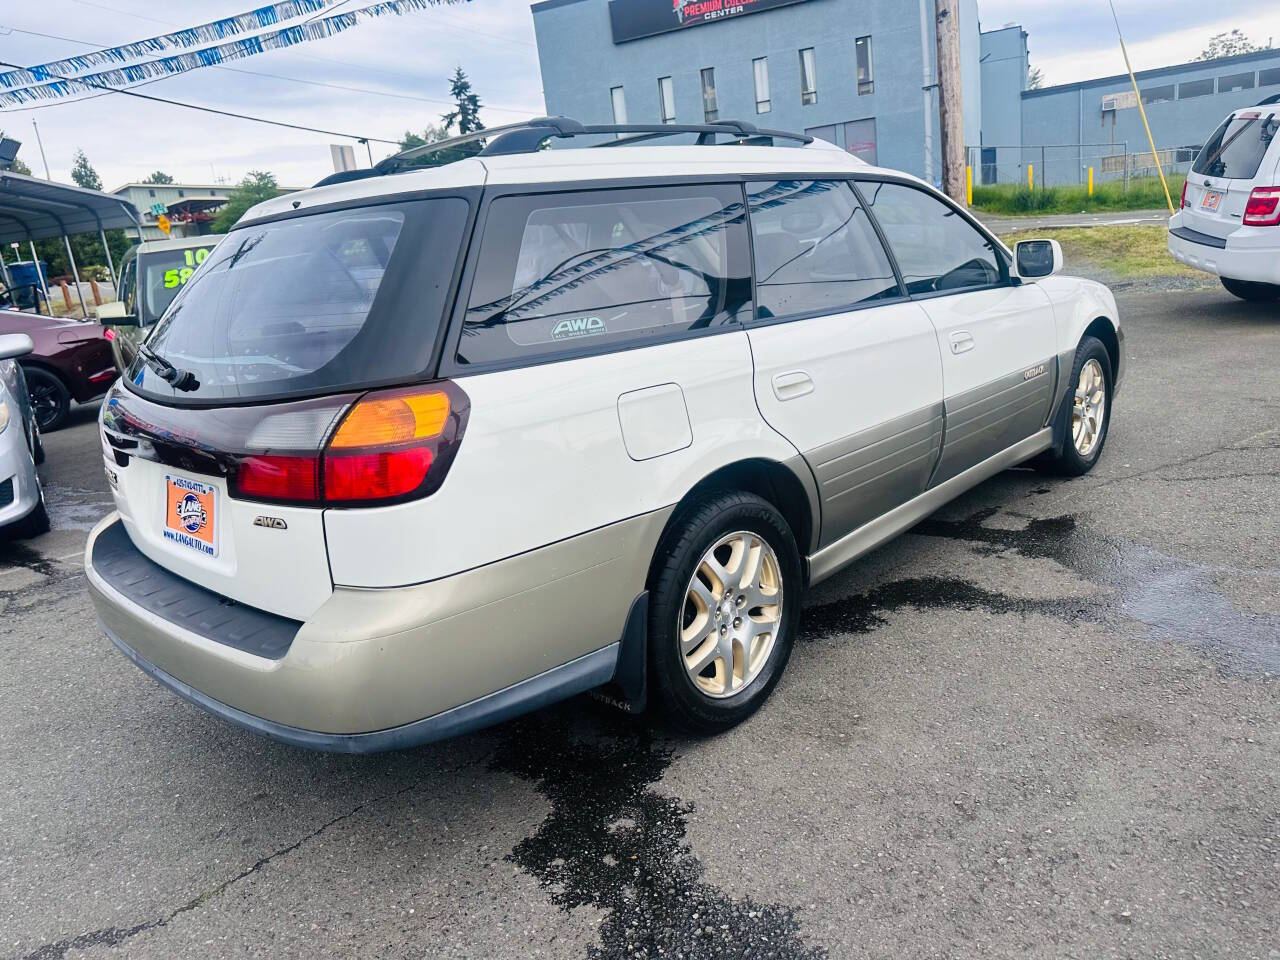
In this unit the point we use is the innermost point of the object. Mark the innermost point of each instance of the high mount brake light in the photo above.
(1263, 207)
(391, 446)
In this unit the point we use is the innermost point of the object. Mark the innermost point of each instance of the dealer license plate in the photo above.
(190, 515)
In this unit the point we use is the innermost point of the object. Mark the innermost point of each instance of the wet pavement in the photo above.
(1046, 722)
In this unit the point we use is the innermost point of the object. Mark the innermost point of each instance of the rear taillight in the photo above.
(391, 446)
(1263, 207)
(1183, 204)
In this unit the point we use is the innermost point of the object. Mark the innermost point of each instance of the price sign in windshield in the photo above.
(178, 276)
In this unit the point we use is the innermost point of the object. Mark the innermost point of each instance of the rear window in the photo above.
(1236, 149)
(590, 270)
(165, 273)
(319, 303)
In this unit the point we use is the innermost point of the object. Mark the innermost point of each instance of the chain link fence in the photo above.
(1057, 165)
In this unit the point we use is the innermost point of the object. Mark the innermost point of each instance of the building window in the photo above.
(710, 107)
(1238, 81)
(182, 193)
(1158, 94)
(667, 99)
(1269, 78)
(619, 104)
(760, 67)
(862, 47)
(808, 77)
(1195, 88)
(860, 139)
(152, 192)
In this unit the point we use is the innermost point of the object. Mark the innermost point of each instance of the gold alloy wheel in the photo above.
(1090, 408)
(731, 614)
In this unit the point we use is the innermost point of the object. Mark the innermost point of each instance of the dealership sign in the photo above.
(633, 19)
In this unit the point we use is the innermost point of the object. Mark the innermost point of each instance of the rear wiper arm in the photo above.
(177, 378)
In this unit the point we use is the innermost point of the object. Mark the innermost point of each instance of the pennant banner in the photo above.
(212, 56)
(249, 22)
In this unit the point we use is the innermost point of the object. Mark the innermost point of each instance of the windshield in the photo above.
(318, 303)
(164, 273)
(1236, 149)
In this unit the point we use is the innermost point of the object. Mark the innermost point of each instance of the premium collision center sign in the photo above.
(633, 19)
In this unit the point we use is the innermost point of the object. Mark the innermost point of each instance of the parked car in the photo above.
(151, 275)
(72, 361)
(1229, 220)
(412, 454)
(22, 512)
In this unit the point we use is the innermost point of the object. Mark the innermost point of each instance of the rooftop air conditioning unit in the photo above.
(1110, 102)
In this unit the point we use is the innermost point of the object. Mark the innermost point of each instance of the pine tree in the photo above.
(466, 112)
(83, 174)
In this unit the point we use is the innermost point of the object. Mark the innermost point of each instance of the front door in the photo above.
(996, 338)
(845, 367)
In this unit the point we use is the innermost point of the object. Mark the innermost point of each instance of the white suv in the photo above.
(1229, 221)
(414, 453)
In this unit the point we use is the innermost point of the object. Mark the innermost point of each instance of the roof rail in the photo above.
(1274, 98)
(528, 136)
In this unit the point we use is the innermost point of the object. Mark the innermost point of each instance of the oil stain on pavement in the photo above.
(613, 843)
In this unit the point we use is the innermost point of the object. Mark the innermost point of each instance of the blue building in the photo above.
(856, 72)
(863, 75)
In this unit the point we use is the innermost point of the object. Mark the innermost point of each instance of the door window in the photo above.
(602, 268)
(937, 249)
(815, 249)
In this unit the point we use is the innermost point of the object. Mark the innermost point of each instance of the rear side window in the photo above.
(1236, 149)
(595, 269)
(815, 249)
(937, 249)
(319, 303)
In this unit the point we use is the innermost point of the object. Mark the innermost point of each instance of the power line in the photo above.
(204, 109)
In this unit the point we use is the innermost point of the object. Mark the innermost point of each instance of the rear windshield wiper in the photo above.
(177, 378)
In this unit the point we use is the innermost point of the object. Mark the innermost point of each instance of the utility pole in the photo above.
(950, 110)
(40, 144)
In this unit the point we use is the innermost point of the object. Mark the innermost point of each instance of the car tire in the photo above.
(748, 540)
(32, 525)
(1083, 426)
(50, 398)
(1253, 292)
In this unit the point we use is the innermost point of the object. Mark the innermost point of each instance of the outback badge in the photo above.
(271, 523)
(1033, 372)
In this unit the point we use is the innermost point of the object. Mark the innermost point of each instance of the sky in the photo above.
(391, 75)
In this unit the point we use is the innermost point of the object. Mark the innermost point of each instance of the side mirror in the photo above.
(1038, 258)
(15, 345)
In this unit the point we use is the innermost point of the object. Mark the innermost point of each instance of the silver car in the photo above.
(22, 512)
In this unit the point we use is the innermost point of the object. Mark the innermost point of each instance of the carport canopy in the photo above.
(35, 209)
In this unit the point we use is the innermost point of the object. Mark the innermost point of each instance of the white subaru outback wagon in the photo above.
(425, 449)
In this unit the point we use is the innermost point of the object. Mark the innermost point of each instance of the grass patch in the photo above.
(1144, 193)
(1127, 251)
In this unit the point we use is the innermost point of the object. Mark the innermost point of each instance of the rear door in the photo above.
(1241, 154)
(997, 338)
(846, 368)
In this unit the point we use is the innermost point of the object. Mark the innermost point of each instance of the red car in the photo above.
(72, 361)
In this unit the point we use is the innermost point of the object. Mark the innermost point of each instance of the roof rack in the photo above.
(529, 136)
(1274, 98)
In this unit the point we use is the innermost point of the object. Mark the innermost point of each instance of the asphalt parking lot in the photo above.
(1045, 722)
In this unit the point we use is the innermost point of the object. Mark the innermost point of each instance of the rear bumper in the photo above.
(1251, 253)
(386, 669)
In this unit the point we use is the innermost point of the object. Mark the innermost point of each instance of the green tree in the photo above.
(258, 185)
(1035, 78)
(83, 174)
(466, 109)
(1228, 45)
(434, 134)
(159, 177)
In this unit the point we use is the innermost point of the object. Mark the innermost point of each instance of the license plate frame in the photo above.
(1211, 201)
(191, 514)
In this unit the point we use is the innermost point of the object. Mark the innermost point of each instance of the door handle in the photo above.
(961, 341)
(792, 384)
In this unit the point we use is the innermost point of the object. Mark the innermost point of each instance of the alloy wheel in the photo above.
(731, 614)
(1089, 410)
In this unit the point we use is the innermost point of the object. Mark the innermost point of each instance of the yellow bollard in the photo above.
(1031, 176)
(968, 177)
(1091, 181)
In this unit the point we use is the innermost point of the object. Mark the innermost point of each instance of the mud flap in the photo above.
(628, 691)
